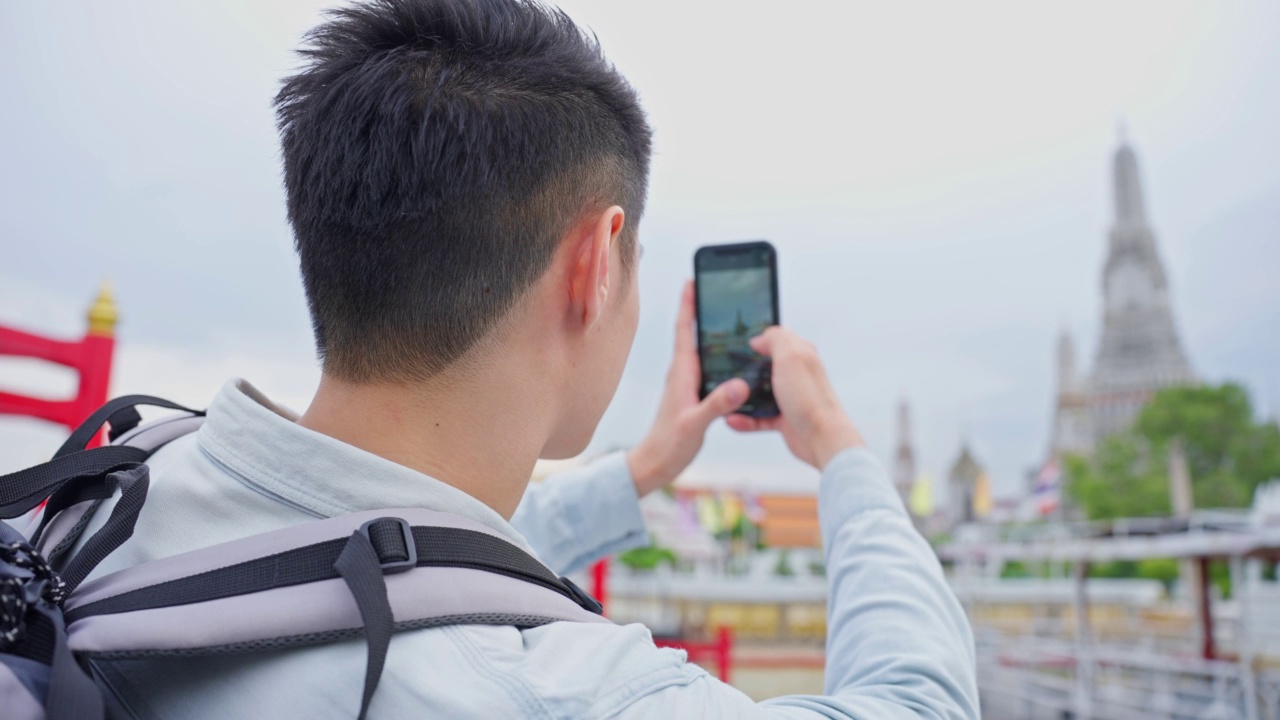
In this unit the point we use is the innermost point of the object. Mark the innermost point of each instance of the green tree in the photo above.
(647, 558)
(1228, 454)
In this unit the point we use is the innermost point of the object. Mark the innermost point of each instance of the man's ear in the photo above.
(592, 270)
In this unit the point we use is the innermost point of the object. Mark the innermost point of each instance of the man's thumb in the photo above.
(764, 342)
(726, 398)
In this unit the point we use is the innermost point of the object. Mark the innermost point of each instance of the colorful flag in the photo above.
(709, 516)
(982, 496)
(1046, 492)
(688, 514)
(755, 511)
(921, 500)
(730, 510)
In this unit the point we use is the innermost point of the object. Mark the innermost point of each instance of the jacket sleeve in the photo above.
(898, 642)
(575, 518)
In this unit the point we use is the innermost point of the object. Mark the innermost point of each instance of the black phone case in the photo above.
(769, 409)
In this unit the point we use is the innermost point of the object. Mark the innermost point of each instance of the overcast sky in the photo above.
(935, 178)
(728, 297)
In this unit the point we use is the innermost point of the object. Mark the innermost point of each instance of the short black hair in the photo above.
(435, 153)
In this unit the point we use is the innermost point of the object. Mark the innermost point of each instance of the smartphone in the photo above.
(736, 294)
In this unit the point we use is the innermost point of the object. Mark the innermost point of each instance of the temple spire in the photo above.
(904, 466)
(1139, 351)
(1068, 376)
(1129, 208)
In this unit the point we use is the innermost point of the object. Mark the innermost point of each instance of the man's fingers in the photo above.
(766, 343)
(726, 398)
(684, 320)
(746, 423)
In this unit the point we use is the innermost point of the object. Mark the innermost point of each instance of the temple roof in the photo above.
(965, 468)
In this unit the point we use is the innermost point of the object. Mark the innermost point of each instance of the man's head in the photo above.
(441, 157)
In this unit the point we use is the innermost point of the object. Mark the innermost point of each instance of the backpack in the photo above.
(405, 568)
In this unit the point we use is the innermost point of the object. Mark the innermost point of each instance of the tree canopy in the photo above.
(1228, 453)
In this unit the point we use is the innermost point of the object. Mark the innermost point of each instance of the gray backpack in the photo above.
(368, 573)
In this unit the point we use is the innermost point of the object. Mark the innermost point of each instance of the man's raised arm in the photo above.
(898, 643)
(574, 518)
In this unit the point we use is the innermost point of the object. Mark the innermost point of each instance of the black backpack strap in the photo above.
(432, 546)
(76, 474)
(363, 567)
(23, 490)
(80, 438)
(122, 422)
(291, 596)
(73, 467)
(362, 570)
(73, 507)
(74, 477)
(118, 528)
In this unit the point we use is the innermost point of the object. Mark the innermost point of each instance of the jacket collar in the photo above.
(262, 444)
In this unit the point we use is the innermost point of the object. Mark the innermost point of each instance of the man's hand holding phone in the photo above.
(681, 425)
(811, 420)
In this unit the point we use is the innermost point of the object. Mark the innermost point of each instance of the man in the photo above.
(465, 180)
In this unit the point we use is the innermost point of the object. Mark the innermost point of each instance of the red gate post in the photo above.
(90, 357)
(600, 582)
(719, 650)
(724, 651)
(1208, 648)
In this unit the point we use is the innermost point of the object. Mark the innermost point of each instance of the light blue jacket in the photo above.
(898, 643)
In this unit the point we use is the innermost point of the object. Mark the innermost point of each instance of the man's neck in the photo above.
(461, 431)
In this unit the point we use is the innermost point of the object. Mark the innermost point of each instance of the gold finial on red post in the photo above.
(103, 314)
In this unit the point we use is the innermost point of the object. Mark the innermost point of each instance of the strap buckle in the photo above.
(382, 538)
(582, 597)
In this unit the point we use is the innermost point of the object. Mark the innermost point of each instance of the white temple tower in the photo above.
(1072, 425)
(1139, 351)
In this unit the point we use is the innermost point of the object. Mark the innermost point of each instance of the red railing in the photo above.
(90, 357)
(719, 651)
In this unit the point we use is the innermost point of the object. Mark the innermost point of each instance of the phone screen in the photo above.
(736, 287)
